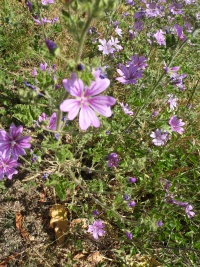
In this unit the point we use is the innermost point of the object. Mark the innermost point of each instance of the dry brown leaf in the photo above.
(79, 256)
(8, 259)
(59, 222)
(95, 257)
(19, 224)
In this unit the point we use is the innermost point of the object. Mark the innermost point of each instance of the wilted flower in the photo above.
(176, 124)
(87, 101)
(172, 101)
(96, 229)
(13, 143)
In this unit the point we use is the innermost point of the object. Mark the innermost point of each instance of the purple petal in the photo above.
(72, 106)
(17, 151)
(88, 118)
(101, 105)
(23, 141)
(15, 131)
(98, 86)
(77, 88)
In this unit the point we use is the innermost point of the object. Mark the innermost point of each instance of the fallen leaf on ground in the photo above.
(95, 258)
(19, 224)
(59, 222)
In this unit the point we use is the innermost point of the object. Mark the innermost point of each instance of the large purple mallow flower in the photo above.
(13, 143)
(7, 166)
(87, 101)
(96, 229)
(160, 137)
(176, 124)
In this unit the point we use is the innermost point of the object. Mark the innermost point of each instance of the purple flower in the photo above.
(126, 197)
(160, 38)
(160, 137)
(34, 72)
(129, 75)
(172, 101)
(176, 8)
(95, 213)
(7, 166)
(115, 42)
(189, 211)
(50, 45)
(138, 61)
(34, 158)
(43, 117)
(153, 10)
(155, 113)
(52, 122)
(29, 5)
(118, 31)
(129, 2)
(126, 109)
(13, 143)
(96, 229)
(178, 81)
(43, 67)
(179, 32)
(132, 179)
(132, 203)
(113, 160)
(176, 124)
(159, 224)
(106, 47)
(47, 2)
(87, 101)
(138, 26)
(129, 235)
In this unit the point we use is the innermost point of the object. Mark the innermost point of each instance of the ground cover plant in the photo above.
(99, 133)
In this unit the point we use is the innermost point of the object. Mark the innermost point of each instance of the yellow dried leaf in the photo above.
(59, 222)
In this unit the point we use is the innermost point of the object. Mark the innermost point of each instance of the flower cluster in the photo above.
(12, 145)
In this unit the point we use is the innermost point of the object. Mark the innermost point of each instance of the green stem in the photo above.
(82, 39)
